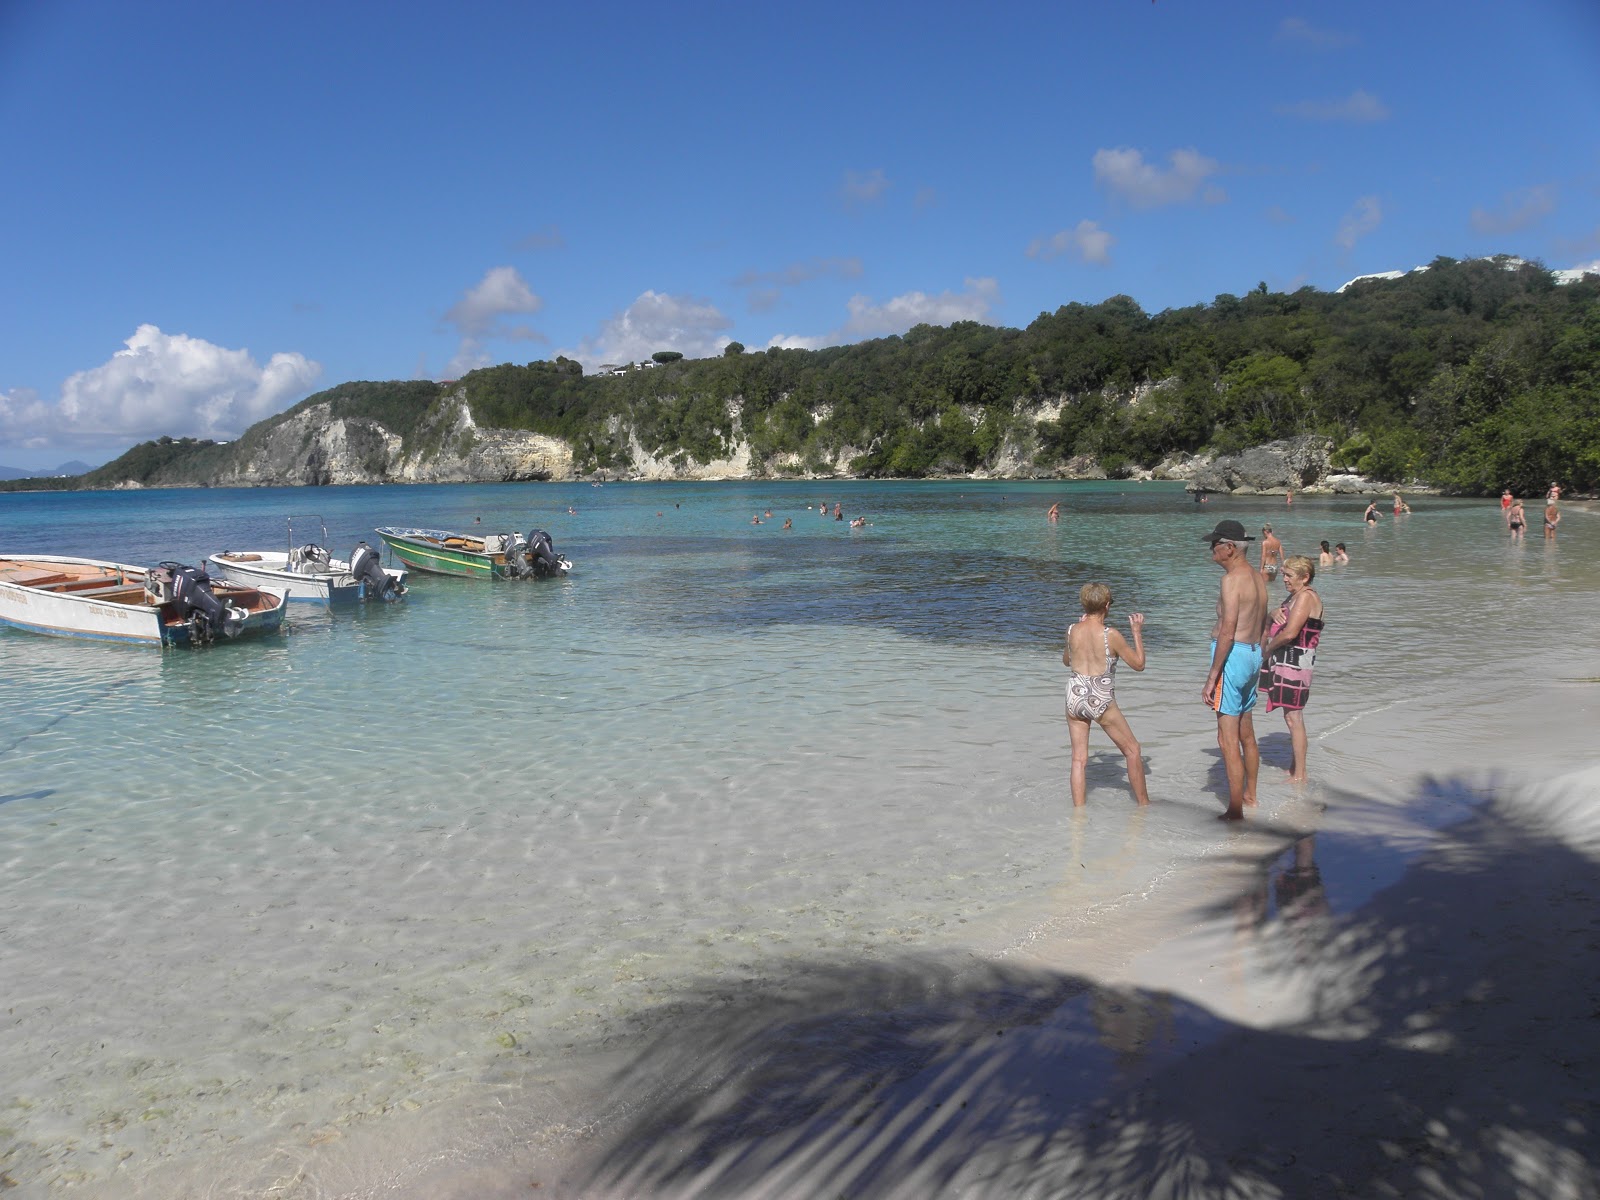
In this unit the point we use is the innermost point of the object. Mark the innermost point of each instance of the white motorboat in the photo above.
(311, 575)
(168, 604)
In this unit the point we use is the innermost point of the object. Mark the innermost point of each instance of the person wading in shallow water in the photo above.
(1091, 653)
(1230, 687)
(1271, 554)
(1290, 652)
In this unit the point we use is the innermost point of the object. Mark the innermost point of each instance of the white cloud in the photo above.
(1300, 32)
(655, 321)
(163, 384)
(1359, 106)
(25, 420)
(501, 292)
(1086, 242)
(863, 187)
(480, 316)
(1125, 172)
(1517, 211)
(1364, 217)
(867, 320)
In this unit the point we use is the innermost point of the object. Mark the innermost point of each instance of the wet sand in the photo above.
(1397, 1005)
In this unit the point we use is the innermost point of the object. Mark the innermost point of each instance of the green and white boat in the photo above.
(486, 556)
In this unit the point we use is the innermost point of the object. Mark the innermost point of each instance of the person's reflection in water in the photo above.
(1302, 900)
(1128, 1023)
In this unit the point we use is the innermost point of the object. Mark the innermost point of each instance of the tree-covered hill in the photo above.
(1469, 375)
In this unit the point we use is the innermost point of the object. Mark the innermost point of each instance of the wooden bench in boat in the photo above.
(88, 583)
(31, 576)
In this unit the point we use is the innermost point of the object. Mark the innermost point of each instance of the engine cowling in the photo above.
(188, 590)
(541, 554)
(367, 568)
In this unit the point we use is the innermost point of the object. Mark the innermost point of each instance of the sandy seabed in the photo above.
(1388, 990)
(1385, 985)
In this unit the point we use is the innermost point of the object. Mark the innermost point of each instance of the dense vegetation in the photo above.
(1469, 375)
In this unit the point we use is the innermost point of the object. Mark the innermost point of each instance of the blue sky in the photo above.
(210, 211)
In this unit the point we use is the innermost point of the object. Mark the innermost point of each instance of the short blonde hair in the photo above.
(1095, 597)
(1301, 565)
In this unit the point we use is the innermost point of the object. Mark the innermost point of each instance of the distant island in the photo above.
(67, 468)
(1469, 376)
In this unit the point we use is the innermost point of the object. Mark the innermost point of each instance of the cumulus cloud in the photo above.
(693, 327)
(1359, 107)
(1364, 217)
(159, 384)
(1086, 242)
(975, 302)
(25, 420)
(863, 187)
(1124, 172)
(1517, 211)
(1298, 31)
(500, 293)
(481, 316)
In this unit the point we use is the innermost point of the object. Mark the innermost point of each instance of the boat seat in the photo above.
(32, 576)
(113, 591)
(86, 583)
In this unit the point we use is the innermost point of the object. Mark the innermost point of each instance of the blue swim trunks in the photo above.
(1239, 676)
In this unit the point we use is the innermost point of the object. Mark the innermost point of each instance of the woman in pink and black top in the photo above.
(1290, 651)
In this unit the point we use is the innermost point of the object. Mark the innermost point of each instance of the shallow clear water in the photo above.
(413, 855)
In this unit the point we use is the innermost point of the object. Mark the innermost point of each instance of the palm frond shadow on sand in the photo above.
(1453, 1051)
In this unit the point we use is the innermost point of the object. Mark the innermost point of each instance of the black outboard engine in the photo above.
(367, 568)
(541, 557)
(308, 559)
(188, 589)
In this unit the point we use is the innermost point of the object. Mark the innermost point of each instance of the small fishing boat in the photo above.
(486, 556)
(311, 575)
(168, 604)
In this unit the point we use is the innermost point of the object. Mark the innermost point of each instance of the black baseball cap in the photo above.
(1228, 531)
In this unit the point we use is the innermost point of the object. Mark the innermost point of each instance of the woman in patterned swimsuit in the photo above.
(1289, 653)
(1090, 654)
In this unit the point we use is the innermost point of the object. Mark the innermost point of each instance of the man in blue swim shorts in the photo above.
(1230, 687)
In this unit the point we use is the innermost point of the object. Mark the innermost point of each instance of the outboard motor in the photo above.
(308, 559)
(367, 567)
(541, 557)
(188, 589)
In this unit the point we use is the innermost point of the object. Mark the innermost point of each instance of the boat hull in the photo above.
(266, 568)
(104, 601)
(440, 552)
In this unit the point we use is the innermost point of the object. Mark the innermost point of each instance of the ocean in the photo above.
(311, 914)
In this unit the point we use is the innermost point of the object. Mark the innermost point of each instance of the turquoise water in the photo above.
(428, 857)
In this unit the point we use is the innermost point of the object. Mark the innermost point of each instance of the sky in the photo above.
(210, 211)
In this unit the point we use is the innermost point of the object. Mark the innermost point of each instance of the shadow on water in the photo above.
(1449, 1048)
(951, 593)
(39, 794)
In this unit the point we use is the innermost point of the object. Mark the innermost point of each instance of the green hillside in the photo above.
(1470, 375)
